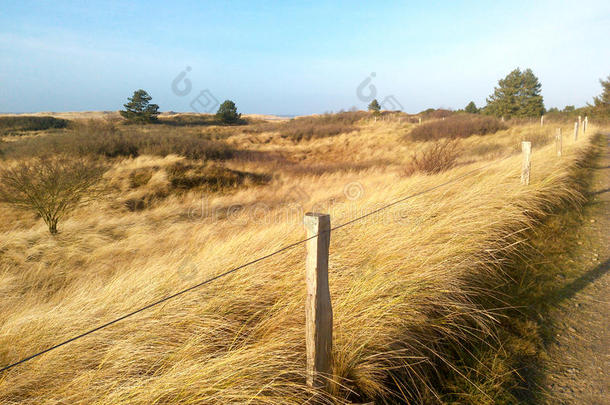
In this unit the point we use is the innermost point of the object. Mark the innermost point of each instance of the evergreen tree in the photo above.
(227, 113)
(139, 109)
(601, 103)
(517, 95)
(471, 108)
(374, 106)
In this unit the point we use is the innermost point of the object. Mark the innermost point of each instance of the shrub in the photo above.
(187, 120)
(436, 158)
(435, 113)
(456, 126)
(12, 124)
(50, 186)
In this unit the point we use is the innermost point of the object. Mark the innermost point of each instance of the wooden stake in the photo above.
(526, 148)
(575, 131)
(558, 142)
(318, 309)
(584, 124)
(419, 120)
(542, 120)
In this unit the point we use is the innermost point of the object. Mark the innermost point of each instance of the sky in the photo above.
(295, 57)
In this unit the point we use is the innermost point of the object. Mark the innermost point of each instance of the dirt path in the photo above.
(579, 359)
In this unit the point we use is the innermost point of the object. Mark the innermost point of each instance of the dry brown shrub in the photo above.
(437, 157)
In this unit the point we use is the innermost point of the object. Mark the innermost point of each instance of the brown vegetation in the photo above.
(109, 141)
(456, 126)
(410, 314)
(435, 158)
(50, 186)
(312, 127)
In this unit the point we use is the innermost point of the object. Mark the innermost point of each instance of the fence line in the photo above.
(235, 269)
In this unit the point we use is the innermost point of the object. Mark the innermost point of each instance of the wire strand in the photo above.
(233, 270)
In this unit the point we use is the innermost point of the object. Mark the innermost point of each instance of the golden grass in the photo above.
(403, 283)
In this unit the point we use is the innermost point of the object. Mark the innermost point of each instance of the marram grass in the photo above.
(404, 284)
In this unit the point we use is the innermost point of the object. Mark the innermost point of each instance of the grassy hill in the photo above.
(414, 287)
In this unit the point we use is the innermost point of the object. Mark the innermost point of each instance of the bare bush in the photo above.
(436, 158)
(49, 186)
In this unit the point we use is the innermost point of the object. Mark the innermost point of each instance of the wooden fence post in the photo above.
(579, 120)
(558, 141)
(542, 120)
(526, 148)
(575, 131)
(318, 309)
(419, 120)
(584, 124)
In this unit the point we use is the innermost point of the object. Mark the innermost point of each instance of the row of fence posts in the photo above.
(526, 146)
(318, 307)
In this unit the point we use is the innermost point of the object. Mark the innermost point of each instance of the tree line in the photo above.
(518, 96)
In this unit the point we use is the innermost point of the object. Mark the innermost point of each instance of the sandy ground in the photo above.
(579, 359)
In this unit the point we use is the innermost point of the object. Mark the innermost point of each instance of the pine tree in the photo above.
(517, 95)
(374, 106)
(139, 109)
(471, 108)
(601, 103)
(227, 113)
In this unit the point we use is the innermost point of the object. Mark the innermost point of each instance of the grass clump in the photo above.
(456, 126)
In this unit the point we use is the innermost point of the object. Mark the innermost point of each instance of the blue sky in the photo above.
(295, 57)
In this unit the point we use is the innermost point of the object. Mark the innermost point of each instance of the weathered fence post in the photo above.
(575, 131)
(558, 141)
(526, 148)
(419, 120)
(584, 124)
(579, 120)
(542, 120)
(318, 309)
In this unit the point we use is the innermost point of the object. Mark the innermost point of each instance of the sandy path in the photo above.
(579, 359)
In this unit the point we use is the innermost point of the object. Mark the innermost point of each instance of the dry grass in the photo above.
(399, 303)
(312, 127)
(93, 138)
(435, 158)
